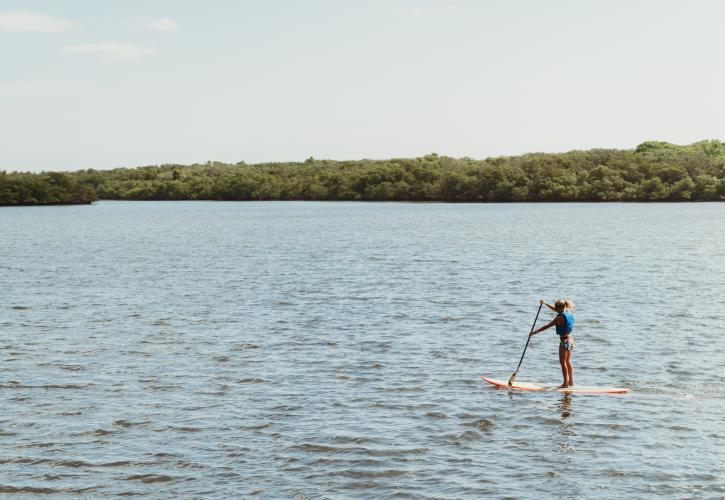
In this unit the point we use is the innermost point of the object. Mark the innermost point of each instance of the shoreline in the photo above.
(429, 202)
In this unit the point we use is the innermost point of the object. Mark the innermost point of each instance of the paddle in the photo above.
(513, 377)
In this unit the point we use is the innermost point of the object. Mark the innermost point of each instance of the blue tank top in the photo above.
(567, 328)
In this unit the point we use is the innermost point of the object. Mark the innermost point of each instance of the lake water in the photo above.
(333, 350)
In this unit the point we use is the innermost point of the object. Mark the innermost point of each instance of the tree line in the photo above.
(653, 171)
(47, 188)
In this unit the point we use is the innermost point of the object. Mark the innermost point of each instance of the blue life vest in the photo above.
(567, 328)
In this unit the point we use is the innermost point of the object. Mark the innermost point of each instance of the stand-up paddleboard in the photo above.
(525, 386)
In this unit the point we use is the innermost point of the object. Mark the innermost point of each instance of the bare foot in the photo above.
(563, 386)
(571, 385)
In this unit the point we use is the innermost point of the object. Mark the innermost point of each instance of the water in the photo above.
(333, 350)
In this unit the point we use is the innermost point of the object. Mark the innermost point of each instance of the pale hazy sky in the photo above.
(101, 84)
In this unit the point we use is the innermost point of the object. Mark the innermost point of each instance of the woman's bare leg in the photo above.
(562, 361)
(569, 369)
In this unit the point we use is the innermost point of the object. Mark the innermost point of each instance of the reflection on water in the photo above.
(566, 428)
(565, 406)
(334, 350)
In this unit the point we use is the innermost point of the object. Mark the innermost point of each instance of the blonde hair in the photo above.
(563, 304)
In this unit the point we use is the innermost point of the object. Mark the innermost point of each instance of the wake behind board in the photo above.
(525, 386)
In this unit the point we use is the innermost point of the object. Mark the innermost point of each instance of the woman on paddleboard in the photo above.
(564, 322)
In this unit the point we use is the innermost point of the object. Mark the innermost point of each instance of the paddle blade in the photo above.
(511, 380)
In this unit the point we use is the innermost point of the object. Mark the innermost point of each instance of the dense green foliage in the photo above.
(654, 171)
(51, 188)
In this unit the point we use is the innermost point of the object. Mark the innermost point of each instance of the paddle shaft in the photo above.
(528, 340)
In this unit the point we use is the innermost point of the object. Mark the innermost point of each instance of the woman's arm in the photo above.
(542, 301)
(548, 325)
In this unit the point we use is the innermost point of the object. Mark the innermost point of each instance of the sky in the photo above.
(122, 83)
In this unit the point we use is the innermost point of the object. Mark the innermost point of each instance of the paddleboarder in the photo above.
(564, 322)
